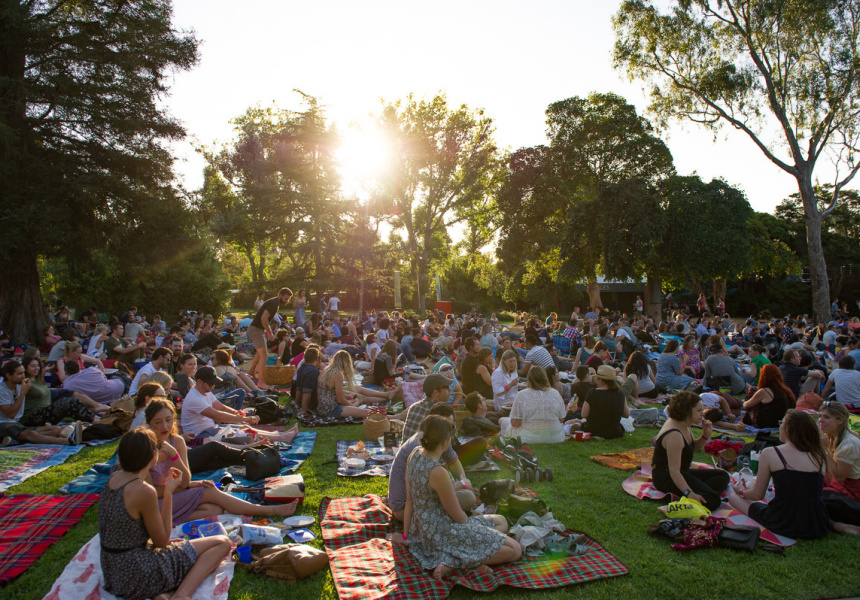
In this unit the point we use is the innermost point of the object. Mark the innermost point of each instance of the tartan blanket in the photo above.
(365, 565)
(625, 461)
(82, 577)
(96, 477)
(371, 469)
(30, 524)
(19, 463)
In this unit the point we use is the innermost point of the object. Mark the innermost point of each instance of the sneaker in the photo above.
(77, 436)
(7, 441)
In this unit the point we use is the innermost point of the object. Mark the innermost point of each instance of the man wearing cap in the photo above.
(203, 414)
(436, 389)
(260, 331)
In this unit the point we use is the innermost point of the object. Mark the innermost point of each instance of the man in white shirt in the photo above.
(829, 338)
(537, 355)
(846, 382)
(332, 306)
(160, 359)
(203, 415)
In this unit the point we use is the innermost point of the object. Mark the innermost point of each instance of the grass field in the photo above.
(585, 496)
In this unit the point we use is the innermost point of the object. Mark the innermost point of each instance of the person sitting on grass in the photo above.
(674, 450)
(797, 469)
(768, 405)
(203, 415)
(537, 413)
(333, 401)
(605, 405)
(74, 352)
(145, 394)
(194, 499)
(13, 392)
(438, 532)
(477, 422)
(160, 359)
(118, 348)
(53, 402)
(226, 370)
(842, 449)
(397, 477)
(138, 558)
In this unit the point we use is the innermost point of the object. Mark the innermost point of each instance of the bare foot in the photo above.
(289, 436)
(485, 569)
(845, 528)
(284, 510)
(441, 571)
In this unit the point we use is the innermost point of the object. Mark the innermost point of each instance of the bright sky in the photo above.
(509, 58)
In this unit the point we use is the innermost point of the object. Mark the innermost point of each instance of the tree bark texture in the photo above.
(594, 295)
(817, 265)
(21, 313)
(654, 297)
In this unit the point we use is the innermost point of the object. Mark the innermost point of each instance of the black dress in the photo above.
(708, 483)
(767, 416)
(606, 407)
(797, 509)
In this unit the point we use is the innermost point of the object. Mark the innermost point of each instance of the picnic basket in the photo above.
(375, 425)
(280, 374)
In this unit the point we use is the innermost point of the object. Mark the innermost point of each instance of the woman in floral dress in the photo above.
(439, 534)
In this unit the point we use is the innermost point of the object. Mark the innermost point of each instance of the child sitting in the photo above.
(477, 422)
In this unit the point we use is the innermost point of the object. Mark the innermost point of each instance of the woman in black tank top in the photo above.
(674, 450)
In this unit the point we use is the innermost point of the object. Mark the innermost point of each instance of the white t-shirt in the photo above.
(194, 404)
(7, 397)
(148, 369)
(382, 335)
(621, 333)
(829, 337)
(500, 379)
(332, 302)
(849, 451)
(710, 400)
(645, 383)
(847, 382)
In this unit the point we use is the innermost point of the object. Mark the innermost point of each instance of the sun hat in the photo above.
(606, 372)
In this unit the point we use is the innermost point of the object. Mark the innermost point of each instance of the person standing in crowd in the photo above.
(260, 331)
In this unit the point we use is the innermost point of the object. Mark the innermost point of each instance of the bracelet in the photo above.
(176, 457)
(403, 535)
(464, 484)
(741, 494)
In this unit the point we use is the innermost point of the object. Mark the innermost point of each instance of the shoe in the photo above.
(7, 441)
(77, 436)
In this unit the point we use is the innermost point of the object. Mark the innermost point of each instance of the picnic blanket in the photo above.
(639, 485)
(30, 524)
(314, 420)
(95, 478)
(366, 566)
(625, 461)
(82, 577)
(736, 517)
(370, 469)
(19, 463)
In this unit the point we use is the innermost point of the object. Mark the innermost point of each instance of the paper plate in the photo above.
(382, 458)
(299, 521)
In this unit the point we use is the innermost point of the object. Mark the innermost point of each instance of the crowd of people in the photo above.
(541, 381)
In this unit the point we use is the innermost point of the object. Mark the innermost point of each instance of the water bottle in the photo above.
(754, 461)
(746, 477)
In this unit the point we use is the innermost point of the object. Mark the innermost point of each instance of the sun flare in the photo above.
(363, 155)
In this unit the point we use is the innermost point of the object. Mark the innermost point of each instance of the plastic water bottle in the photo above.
(746, 477)
(754, 461)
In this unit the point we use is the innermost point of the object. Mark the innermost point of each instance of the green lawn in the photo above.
(585, 496)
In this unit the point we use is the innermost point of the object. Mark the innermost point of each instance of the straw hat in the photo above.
(606, 372)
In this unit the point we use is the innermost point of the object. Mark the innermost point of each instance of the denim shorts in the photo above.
(335, 413)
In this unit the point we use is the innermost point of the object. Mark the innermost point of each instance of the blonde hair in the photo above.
(161, 378)
(101, 329)
(505, 356)
(537, 379)
(71, 347)
(341, 363)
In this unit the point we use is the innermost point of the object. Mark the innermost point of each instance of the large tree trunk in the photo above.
(654, 297)
(817, 264)
(594, 295)
(21, 313)
(719, 287)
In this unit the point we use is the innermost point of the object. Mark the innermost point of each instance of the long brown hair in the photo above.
(771, 378)
(804, 435)
(836, 410)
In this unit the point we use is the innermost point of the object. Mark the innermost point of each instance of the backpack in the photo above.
(270, 411)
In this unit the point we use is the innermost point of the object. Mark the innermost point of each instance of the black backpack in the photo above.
(269, 411)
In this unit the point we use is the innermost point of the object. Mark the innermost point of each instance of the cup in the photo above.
(243, 554)
(578, 436)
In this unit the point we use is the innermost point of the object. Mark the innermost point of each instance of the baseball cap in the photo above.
(435, 381)
(207, 375)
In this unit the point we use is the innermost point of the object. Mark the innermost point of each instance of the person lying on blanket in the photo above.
(797, 469)
(130, 517)
(673, 454)
(203, 415)
(438, 532)
(193, 499)
(722, 420)
(397, 476)
(13, 392)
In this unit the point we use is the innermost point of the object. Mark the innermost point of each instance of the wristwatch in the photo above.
(686, 492)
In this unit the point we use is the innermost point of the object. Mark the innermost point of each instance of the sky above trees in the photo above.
(510, 60)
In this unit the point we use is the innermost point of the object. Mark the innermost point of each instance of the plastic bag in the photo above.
(686, 508)
(256, 535)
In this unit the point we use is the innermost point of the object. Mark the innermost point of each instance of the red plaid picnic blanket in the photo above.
(365, 565)
(29, 524)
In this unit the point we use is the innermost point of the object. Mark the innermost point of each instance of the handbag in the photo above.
(290, 562)
(739, 537)
(268, 410)
(261, 462)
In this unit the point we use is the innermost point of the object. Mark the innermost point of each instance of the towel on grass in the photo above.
(625, 461)
(370, 469)
(19, 463)
(366, 566)
(82, 577)
(95, 478)
(29, 524)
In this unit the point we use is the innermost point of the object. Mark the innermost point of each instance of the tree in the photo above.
(706, 232)
(786, 65)
(272, 193)
(80, 130)
(444, 165)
